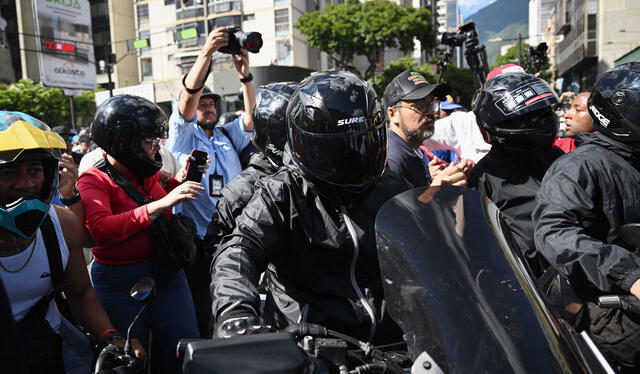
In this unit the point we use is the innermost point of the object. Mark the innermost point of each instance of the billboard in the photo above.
(66, 44)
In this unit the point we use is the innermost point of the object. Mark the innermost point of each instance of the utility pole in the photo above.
(519, 49)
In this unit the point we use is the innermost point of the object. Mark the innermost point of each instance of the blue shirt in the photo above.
(185, 136)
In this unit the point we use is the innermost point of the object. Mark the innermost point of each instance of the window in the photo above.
(280, 2)
(283, 52)
(169, 2)
(144, 35)
(249, 17)
(190, 41)
(222, 62)
(143, 15)
(146, 69)
(225, 21)
(282, 22)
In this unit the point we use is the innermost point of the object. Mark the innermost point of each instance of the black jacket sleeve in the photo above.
(567, 213)
(244, 255)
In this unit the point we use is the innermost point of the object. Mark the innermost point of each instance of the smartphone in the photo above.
(196, 160)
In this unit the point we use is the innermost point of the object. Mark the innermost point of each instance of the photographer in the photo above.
(193, 126)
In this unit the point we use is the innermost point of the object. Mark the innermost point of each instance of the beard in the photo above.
(207, 125)
(417, 136)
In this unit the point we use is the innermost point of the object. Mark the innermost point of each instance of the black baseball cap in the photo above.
(411, 85)
(207, 93)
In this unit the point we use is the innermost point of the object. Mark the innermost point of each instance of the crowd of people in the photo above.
(286, 205)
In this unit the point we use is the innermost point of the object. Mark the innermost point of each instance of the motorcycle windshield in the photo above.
(460, 295)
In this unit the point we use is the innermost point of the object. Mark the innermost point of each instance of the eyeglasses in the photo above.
(153, 141)
(423, 107)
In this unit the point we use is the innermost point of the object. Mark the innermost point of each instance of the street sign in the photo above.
(65, 26)
(141, 43)
(189, 33)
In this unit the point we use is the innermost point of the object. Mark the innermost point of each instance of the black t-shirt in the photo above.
(405, 163)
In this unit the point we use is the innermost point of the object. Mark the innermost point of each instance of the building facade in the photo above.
(112, 26)
(591, 36)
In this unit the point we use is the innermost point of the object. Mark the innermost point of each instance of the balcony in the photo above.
(190, 12)
(225, 7)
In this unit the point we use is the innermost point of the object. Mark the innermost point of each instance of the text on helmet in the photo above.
(604, 121)
(347, 121)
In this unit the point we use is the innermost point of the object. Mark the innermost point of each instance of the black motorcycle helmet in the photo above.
(614, 104)
(337, 134)
(227, 117)
(517, 110)
(269, 118)
(121, 123)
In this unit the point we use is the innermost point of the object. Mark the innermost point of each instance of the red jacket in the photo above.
(566, 144)
(116, 223)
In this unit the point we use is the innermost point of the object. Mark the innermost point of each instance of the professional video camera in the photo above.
(537, 58)
(475, 53)
(239, 39)
(455, 39)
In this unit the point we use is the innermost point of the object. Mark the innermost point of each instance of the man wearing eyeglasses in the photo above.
(412, 107)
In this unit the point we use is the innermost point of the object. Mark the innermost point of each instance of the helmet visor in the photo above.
(350, 159)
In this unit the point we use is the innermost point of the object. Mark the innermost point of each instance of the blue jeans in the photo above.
(171, 315)
(76, 349)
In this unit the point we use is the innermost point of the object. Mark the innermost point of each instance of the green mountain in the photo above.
(501, 19)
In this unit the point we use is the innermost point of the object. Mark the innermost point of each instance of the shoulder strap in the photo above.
(104, 166)
(226, 133)
(39, 310)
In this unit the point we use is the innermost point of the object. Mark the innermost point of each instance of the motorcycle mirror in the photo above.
(144, 290)
(630, 234)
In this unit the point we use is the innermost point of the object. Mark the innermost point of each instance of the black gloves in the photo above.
(240, 322)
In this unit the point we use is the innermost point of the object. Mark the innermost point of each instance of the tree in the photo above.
(354, 28)
(460, 80)
(512, 57)
(48, 104)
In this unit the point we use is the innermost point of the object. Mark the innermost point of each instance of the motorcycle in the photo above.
(454, 282)
(113, 359)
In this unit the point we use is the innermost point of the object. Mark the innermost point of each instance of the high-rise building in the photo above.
(112, 27)
(448, 19)
(539, 13)
(176, 31)
(594, 35)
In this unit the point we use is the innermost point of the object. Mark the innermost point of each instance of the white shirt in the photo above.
(459, 133)
(27, 286)
(169, 162)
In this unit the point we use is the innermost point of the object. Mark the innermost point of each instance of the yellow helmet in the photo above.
(25, 138)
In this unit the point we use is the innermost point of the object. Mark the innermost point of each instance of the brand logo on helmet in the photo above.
(618, 97)
(347, 121)
(604, 121)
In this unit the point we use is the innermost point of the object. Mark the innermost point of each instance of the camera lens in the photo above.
(253, 42)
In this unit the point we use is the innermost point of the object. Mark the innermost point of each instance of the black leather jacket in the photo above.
(320, 258)
(585, 197)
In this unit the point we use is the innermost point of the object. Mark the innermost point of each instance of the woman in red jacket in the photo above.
(129, 129)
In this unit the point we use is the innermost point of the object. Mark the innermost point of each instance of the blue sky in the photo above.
(468, 7)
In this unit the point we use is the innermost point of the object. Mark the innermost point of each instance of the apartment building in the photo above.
(592, 35)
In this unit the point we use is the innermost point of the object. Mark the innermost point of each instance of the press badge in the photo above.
(215, 185)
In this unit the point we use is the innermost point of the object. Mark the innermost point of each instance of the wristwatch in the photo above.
(249, 78)
(72, 200)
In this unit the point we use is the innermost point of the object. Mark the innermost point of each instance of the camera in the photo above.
(239, 39)
(456, 39)
(537, 58)
(475, 53)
